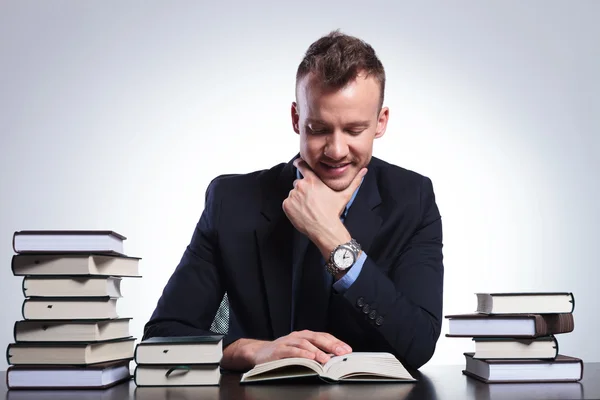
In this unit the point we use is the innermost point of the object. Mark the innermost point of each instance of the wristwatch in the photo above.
(343, 257)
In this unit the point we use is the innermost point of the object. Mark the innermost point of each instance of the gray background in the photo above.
(116, 115)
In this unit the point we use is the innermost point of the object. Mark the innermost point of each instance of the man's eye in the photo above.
(356, 131)
(317, 131)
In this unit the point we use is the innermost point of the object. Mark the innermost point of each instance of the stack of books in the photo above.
(179, 361)
(514, 335)
(70, 336)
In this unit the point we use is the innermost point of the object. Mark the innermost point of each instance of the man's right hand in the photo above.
(244, 354)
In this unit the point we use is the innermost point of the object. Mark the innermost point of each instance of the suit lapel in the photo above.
(274, 237)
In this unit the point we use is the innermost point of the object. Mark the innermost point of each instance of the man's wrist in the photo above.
(329, 238)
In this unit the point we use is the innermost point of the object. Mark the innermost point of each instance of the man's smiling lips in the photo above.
(335, 169)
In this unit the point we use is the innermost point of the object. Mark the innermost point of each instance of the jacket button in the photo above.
(373, 314)
(379, 321)
(366, 309)
(360, 302)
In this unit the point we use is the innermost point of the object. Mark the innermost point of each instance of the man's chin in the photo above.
(338, 185)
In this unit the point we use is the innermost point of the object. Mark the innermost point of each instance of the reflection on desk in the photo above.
(310, 388)
(436, 381)
(549, 391)
(119, 392)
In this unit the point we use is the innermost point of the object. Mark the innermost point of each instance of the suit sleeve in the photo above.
(403, 308)
(194, 291)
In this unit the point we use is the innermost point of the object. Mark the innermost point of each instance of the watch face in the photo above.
(343, 258)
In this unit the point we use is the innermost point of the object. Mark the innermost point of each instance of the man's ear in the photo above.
(295, 117)
(382, 121)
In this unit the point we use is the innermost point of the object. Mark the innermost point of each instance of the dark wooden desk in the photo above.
(435, 382)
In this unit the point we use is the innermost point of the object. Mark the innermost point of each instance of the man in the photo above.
(333, 252)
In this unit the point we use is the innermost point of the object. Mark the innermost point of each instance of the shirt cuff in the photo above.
(347, 280)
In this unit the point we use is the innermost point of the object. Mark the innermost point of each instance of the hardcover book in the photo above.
(525, 303)
(509, 325)
(69, 308)
(36, 353)
(180, 350)
(562, 369)
(545, 347)
(177, 375)
(96, 376)
(49, 241)
(74, 264)
(91, 330)
(72, 286)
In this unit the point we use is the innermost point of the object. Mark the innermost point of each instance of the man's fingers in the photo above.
(326, 342)
(355, 183)
(304, 168)
(302, 343)
(287, 351)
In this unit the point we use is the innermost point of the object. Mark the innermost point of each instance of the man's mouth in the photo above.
(335, 168)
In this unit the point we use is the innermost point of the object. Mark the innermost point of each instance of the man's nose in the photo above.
(336, 147)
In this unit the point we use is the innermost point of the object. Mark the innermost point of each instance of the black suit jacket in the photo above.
(244, 245)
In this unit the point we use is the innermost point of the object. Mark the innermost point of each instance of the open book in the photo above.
(351, 367)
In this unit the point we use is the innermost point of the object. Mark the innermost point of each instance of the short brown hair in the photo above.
(338, 58)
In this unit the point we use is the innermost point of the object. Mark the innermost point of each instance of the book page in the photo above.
(366, 366)
(284, 368)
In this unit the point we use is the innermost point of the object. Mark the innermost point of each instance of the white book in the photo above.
(74, 264)
(525, 303)
(97, 376)
(71, 331)
(177, 375)
(561, 369)
(359, 366)
(74, 286)
(69, 308)
(207, 349)
(93, 241)
(69, 353)
(545, 347)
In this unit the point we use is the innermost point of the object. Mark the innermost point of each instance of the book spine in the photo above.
(555, 346)
(12, 264)
(13, 242)
(549, 324)
(23, 288)
(135, 375)
(8, 355)
(23, 309)
(572, 302)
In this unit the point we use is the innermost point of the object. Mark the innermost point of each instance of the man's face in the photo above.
(337, 127)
